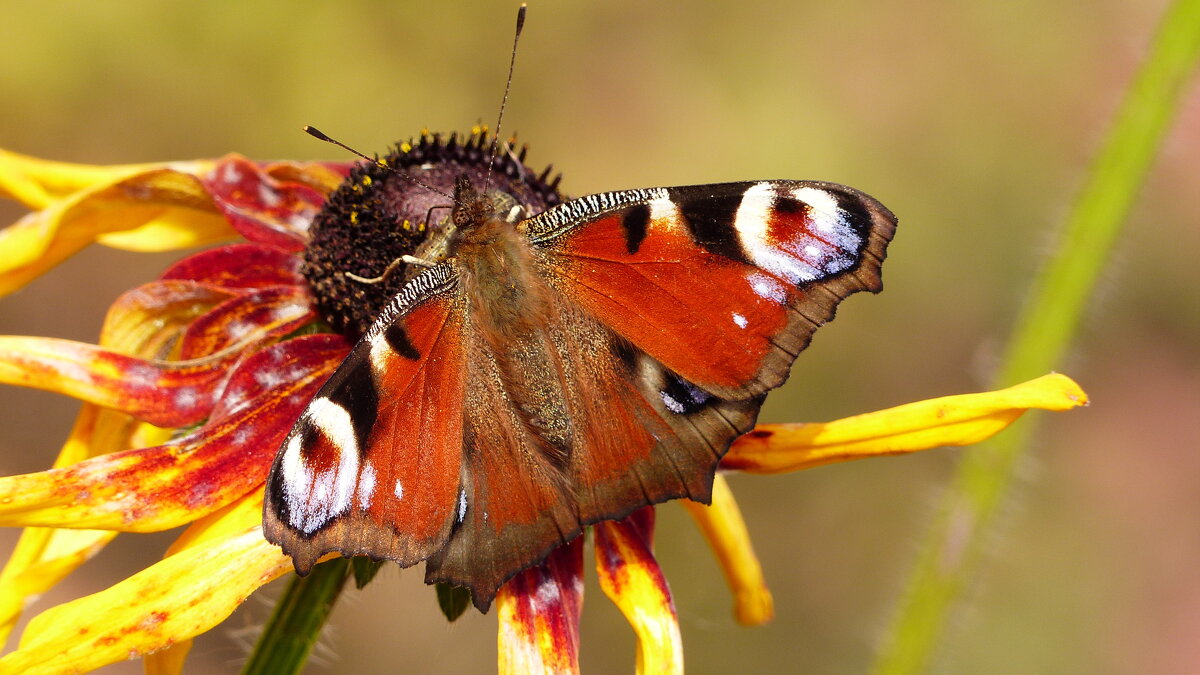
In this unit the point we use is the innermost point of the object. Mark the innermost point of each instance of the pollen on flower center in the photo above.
(376, 216)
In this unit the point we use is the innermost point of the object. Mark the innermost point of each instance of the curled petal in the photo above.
(950, 420)
(239, 266)
(165, 393)
(324, 177)
(175, 203)
(151, 489)
(539, 615)
(723, 526)
(150, 317)
(631, 578)
(37, 182)
(173, 600)
(261, 208)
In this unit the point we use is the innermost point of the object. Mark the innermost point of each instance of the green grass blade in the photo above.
(945, 563)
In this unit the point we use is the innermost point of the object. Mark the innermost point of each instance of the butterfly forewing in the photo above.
(722, 284)
(373, 466)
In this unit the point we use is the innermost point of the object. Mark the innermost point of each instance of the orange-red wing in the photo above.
(722, 284)
(373, 466)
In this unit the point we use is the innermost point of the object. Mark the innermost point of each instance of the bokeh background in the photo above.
(973, 121)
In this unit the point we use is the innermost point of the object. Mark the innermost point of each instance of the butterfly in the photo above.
(543, 365)
(545, 372)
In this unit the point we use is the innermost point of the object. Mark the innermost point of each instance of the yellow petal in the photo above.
(36, 182)
(723, 526)
(631, 578)
(42, 558)
(168, 661)
(175, 200)
(951, 420)
(173, 600)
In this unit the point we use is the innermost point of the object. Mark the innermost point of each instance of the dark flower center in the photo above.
(377, 216)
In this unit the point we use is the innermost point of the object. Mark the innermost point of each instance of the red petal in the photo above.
(151, 489)
(163, 393)
(539, 613)
(240, 266)
(153, 316)
(245, 319)
(260, 208)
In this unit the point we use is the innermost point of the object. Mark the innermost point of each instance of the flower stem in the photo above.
(296, 623)
(948, 556)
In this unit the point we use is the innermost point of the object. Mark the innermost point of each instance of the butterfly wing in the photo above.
(722, 284)
(373, 466)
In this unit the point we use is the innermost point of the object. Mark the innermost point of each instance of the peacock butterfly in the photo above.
(536, 373)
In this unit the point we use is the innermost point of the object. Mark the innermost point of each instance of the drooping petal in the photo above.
(226, 522)
(42, 558)
(239, 266)
(151, 489)
(176, 203)
(723, 527)
(261, 208)
(173, 600)
(165, 393)
(950, 420)
(631, 578)
(538, 612)
(37, 182)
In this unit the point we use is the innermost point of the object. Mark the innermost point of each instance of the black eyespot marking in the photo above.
(789, 205)
(682, 397)
(398, 340)
(356, 395)
(856, 214)
(635, 222)
(710, 218)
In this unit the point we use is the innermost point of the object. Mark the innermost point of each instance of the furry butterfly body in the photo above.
(550, 371)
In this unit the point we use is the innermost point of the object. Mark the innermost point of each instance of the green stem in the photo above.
(946, 561)
(296, 623)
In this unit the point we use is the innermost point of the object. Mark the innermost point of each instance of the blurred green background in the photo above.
(973, 121)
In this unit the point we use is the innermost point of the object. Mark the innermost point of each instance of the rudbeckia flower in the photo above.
(198, 375)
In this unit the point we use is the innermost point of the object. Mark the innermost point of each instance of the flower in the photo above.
(199, 374)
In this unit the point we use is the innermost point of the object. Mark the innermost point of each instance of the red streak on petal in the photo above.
(540, 610)
(240, 266)
(273, 311)
(156, 488)
(260, 208)
(164, 393)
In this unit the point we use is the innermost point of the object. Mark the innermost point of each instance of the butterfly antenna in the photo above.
(318, 134)
(512, 62)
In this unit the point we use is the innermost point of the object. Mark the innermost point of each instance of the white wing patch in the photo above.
(804, 258)
(314, 499)
(366, 486)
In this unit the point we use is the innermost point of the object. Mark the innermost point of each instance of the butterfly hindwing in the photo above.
(372, 467)
(723, 284)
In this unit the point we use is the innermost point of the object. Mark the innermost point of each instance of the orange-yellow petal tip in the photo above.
(632, 579)
(950, 420)
(725, 529)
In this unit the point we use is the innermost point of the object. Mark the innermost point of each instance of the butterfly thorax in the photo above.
(497, 267)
